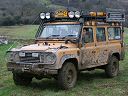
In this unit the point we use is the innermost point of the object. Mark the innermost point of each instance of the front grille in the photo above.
(29, 59)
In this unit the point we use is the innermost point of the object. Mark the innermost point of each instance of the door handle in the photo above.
(106, 50)
(93, 52)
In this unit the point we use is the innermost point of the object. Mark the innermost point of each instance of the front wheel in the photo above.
(112, 68)
(20, 79)
(67, 76)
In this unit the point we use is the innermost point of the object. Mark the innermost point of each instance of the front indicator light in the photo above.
(35, 54)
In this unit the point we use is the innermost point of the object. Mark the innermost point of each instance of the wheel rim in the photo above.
(114, 68)
(70, 76)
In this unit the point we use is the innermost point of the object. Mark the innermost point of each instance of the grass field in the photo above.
(19, 32)
(92, 83)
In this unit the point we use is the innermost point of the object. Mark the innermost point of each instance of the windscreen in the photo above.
(60, 31)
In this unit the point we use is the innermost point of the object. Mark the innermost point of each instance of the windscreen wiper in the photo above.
(53, 36)
(67, 36)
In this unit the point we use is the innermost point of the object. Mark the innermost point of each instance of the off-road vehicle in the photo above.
(68, 42)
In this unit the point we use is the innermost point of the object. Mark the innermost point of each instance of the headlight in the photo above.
(77, 14)
(51, 58)
(48, 58)
(48, 15)
(35, 54)
(12, 57)
(42, 15)
(71, 14)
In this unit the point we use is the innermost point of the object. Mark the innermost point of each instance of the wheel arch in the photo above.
(72, 60)
(116, 54)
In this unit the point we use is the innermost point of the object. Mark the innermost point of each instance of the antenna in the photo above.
(68, 4)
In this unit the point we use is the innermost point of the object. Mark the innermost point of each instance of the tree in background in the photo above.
(26, 11)
(19, 11)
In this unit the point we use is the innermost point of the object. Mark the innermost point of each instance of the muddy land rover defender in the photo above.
(68, 42)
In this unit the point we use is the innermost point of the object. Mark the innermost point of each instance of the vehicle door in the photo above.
(101, 46)
(115, 38)
(88, 50)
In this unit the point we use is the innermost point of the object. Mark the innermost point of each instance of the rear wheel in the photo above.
(112, 69)
(21, 79)
(67, 76)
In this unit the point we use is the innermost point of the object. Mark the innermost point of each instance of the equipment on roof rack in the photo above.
(115, 15)
(110, 16)
(61, 14)
(97, 14)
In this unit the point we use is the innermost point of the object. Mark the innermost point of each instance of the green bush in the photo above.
(7, 20)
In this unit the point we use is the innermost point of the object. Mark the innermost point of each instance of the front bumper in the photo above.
(33, 68)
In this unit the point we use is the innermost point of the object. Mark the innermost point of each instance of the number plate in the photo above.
(26, 67)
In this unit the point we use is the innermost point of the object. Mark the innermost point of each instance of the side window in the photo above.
(114, 33)
(87, 35)
(100, 34)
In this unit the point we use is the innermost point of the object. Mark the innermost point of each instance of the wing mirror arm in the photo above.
(122, 30)
(72, 41)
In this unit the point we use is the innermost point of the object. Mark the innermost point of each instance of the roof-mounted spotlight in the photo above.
(42, 15)
(48, 15)
(77, 14)
(71, 14)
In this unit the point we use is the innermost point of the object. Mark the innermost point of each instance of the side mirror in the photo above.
(72, 41)
(81, 20)
(122, 30)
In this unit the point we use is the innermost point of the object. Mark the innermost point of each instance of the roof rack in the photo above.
(88, 17)
(111, 15)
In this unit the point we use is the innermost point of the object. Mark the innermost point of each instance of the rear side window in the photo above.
(100, 34)
(114, 33)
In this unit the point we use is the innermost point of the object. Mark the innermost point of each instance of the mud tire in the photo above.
(67, 76)
(112, 68)
(20, 79)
